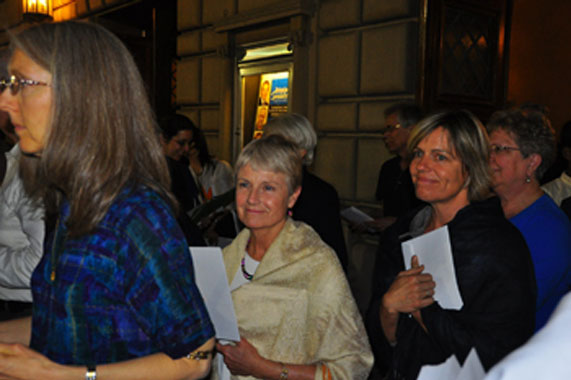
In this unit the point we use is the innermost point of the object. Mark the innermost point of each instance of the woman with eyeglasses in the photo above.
(114, 293)
(409, 327)
(522, 149)
(177, 136)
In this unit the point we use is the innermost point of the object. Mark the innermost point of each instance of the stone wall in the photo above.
(358, 57)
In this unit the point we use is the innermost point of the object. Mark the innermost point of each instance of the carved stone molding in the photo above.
(300, 38)
(271, 12)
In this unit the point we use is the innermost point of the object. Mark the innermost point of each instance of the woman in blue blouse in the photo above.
(115, 286)
(522, 148)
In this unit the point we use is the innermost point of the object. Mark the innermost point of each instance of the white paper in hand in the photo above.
(472, 369)
(448, 370)
(435, 253)
(355, 215)
(210, 277)
(451, 369)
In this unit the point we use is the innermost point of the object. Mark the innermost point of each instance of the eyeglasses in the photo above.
(390, 128)
(498, 149)
(15, 84)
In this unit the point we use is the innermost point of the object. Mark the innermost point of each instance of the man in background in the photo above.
(394, 187)
(560, 188)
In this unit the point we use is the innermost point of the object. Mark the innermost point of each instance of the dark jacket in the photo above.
(318, 206)
(183, 186)
(395, 189)
(185, 191)
(495, 276)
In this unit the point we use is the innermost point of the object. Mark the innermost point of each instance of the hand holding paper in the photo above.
(451, 369)
(411, 290)
(210, 276)
(435, 254)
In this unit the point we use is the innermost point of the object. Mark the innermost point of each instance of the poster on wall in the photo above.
(273, 99)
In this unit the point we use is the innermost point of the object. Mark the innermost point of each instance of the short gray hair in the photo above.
(275, 154)
(531, 131)
(297, 129)
(470, 141)
(407, 113)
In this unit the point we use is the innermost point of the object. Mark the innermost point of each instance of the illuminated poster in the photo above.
(272, 99)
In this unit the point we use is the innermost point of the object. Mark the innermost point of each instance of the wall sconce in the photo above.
(37, 10)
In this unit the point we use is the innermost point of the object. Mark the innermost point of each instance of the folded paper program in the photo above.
(451, 369)
(435, 253)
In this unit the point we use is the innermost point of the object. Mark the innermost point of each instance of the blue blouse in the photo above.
(125, 290)
(547, 232)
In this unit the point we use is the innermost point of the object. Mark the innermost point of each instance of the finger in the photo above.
(426, 293)
(222, 348)
(414, 261)
(411, 271)
(426, 302)
(425, 278)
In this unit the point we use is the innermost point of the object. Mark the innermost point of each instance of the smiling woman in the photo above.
(437, 172)
(280, 269)
(408, 328)
(524, 147)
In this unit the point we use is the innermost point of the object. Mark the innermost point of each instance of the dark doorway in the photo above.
(148, 29)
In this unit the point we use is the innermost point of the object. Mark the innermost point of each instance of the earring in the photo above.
(527, 179)
(289, 212)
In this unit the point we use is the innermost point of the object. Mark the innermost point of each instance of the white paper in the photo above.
(355, 215)
(472, 368)
(446, 371)
(451, 369)
(210, 277)
(435, 253)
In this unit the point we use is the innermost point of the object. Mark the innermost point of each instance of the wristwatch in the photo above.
(91, 374)
(284, 372)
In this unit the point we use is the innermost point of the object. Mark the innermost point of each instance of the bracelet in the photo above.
(91, 374)
(325, 372)
(284, 372)
(199, 355)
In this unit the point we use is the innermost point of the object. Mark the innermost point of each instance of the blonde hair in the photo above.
(468, 137)
(275, 154)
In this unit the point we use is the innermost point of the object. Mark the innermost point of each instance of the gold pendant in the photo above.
(53, 276)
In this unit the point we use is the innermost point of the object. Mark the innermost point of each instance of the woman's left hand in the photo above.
(20, 362)
(241, 358)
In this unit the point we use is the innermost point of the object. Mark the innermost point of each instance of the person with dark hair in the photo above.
(394, 187)
(214, 176)
(493, 268)
(522, 148)
(176, 139)
(215, 179)
(560, 188)
(114, 293)
(318, 203)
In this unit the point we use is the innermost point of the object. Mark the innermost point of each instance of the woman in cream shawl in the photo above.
(296, 315)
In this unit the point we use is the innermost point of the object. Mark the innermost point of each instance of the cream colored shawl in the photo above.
(298, 308)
